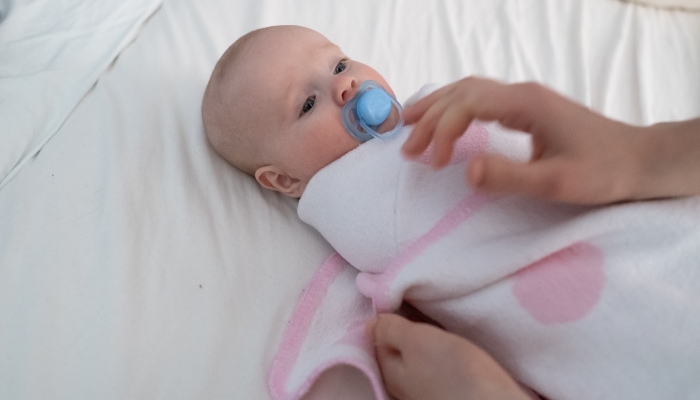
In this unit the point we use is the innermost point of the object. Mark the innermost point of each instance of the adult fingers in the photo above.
(416, 110)
(422, 133)
(390, 330)
(453, 123)
(498, 174)
(387, 333)
(393, 369)
(447, 113)
(528, 106)
(520, 106)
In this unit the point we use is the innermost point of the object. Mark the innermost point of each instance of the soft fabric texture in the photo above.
(673, 4)
(576, 302)
(51, 54)
(136, 264)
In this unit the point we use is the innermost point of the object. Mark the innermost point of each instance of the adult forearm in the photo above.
(669, 160)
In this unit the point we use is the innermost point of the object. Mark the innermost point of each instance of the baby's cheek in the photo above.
(338, 144)
(369, 73)
(313, 156)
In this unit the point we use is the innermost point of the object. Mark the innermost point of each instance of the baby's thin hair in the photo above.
(230, 138)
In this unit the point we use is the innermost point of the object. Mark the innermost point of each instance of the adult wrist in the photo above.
(650, 144)
(668, 160)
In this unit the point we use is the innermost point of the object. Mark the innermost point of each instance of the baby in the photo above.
(272, 105)
(562, 296)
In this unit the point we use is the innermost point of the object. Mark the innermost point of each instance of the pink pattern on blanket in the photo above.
(376, 286)
(562, 287)
(474, 140)
(297, 332)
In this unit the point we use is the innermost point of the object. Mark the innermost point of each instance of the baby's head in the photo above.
(272, 105)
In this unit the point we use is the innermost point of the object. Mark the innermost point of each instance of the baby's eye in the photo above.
(308, 105)
(340, 67)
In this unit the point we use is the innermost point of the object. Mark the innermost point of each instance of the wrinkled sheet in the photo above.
(134, 263)
(51, 53)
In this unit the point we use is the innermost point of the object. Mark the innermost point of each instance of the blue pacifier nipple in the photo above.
(372, 112)
(374, 107)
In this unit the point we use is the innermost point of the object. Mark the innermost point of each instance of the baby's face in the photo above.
(300, 81)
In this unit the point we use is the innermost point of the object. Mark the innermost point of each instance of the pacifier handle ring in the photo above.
(369, 130)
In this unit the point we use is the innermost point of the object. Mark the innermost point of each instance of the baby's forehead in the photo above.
(259, 80)
(269, 62)
(250, 97)
(297, 44)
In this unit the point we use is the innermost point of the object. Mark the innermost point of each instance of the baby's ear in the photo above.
(273, 178)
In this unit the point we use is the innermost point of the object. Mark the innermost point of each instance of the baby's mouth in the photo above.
(390, 123)
(372, 112)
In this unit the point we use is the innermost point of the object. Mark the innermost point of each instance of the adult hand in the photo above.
(420, 361)
(579, 156)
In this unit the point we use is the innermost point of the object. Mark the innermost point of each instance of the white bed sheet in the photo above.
(134, 263)
(51, 53)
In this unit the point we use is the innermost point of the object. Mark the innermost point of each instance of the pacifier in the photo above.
(372, 112)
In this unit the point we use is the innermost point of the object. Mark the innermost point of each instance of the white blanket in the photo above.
(136, 264)
(576, 302)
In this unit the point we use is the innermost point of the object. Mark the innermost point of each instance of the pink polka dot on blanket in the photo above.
(562, 287)
(474, 140)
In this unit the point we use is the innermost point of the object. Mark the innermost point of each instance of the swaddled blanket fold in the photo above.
(575, 302)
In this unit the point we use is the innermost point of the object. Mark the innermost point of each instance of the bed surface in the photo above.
(135, 263)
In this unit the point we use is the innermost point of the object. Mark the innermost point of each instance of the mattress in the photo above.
(135, 263)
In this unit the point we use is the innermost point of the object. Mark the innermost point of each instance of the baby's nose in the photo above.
(347, 89)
